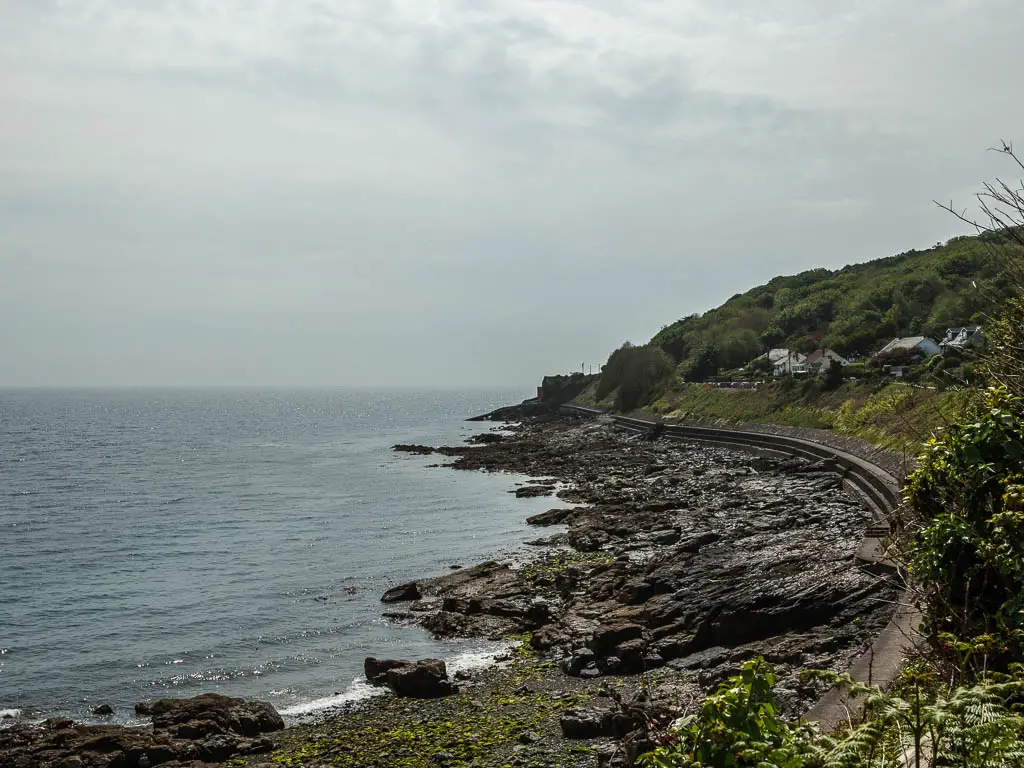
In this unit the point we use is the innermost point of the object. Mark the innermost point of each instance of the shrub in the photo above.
(968, 499)
(634, 374)
(738, 725)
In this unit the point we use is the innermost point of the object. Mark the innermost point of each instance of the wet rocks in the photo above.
(672, 549)
(402, 593)
(551, 517)
(211, 713)
(532, 491)
(424, 679)
(421, 450)
(209, 728)
(590, 722)
(376, 670)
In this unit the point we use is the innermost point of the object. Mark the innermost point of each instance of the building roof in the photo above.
(907, 342)
(779, 356)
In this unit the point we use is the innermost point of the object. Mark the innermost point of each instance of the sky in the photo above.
(460, 192)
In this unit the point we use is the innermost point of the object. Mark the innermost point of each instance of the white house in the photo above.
(820, 360)
(962, 337)
(915, 346)
(785, 361)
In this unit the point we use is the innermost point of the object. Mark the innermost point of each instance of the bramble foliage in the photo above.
(972, 726)
(1005, 361)
(737, 726)
(967, 494)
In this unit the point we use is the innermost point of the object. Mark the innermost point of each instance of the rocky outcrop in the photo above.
(681, 555)
(376, 670)
(211, 713)
(208, 728)
(424, 679)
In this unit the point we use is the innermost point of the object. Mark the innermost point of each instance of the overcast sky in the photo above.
(292, 192)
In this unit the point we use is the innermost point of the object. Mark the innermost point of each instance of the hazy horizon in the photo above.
(459, 194)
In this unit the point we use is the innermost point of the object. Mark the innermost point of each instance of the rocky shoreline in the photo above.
(674, 564)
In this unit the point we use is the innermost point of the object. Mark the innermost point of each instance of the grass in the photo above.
(890, 414)
(478, 728)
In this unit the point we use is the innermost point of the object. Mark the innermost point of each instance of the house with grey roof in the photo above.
(912, 346)
(820, 360)
(785, 361)
(961, 338)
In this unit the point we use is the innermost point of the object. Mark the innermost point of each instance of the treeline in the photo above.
(854, 310)
(634, 375)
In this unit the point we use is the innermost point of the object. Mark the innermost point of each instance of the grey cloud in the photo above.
(404, 192)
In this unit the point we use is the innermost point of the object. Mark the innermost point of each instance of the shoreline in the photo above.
(583, 573)
(667, 686)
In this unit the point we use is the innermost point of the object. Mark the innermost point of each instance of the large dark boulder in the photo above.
(607, 636)
(424, 679)
(376, 670)
(402, 593)
(211, 713)
(590, 722)
(551, 517)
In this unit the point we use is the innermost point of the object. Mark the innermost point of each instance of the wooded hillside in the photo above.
(854, 310)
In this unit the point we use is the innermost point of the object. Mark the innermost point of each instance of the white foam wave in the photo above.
(10, 714)
(360, 689)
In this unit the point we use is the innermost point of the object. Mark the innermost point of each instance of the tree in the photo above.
(704, 364)
(1000, 224)
(833, 377)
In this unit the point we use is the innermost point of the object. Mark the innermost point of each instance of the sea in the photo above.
(163, 543)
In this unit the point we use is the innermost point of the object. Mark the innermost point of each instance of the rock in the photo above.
(532, 491)
(528, 737)
(606, 637)
(210, 711)
(424, 679)
(418, 449)
(589, 722)
(103, 710)
(376, 670)
(144, 708)
(217, 749)
(402, 593)
(694, 543)
(60, 743)
(580, 658)
(551, 517)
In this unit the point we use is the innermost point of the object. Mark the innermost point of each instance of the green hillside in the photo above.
(854, 310)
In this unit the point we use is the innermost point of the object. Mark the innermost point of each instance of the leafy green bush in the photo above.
(738, 725)
(634, 374)
(967, 496)
(920, 722)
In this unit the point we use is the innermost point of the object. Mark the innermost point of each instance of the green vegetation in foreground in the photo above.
(480, 727)
(971, 726)
(959, 704)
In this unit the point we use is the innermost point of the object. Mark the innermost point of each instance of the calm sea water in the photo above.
(166, 543)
